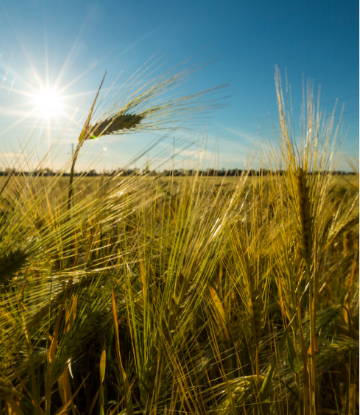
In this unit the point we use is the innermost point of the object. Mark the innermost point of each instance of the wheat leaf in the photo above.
(292, 356)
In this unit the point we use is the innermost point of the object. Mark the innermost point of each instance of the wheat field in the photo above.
(191, 295)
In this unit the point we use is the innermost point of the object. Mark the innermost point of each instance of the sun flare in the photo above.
(49, 103)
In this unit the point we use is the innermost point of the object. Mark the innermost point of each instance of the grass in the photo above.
(184, 295)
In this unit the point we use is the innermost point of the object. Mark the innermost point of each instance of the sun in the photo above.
(49, 103)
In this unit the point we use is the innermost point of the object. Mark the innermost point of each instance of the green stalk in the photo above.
(297, 375)
(305, 363)
(312, 357)
(75, 156)
(313, 345)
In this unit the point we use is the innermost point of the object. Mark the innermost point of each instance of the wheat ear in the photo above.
(170, 318)
(114, 124)
(305, 216)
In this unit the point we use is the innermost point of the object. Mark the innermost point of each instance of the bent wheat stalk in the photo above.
(146, 105)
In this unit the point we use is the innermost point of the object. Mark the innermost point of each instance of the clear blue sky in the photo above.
(73, 42)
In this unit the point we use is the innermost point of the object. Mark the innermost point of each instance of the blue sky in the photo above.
(71, 43)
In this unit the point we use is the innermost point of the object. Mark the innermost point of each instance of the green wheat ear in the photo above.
(114, 125)
(306, 221)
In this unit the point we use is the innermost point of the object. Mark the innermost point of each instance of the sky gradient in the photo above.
(71, 44)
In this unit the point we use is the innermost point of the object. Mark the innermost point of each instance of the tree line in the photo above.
(165, 173)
